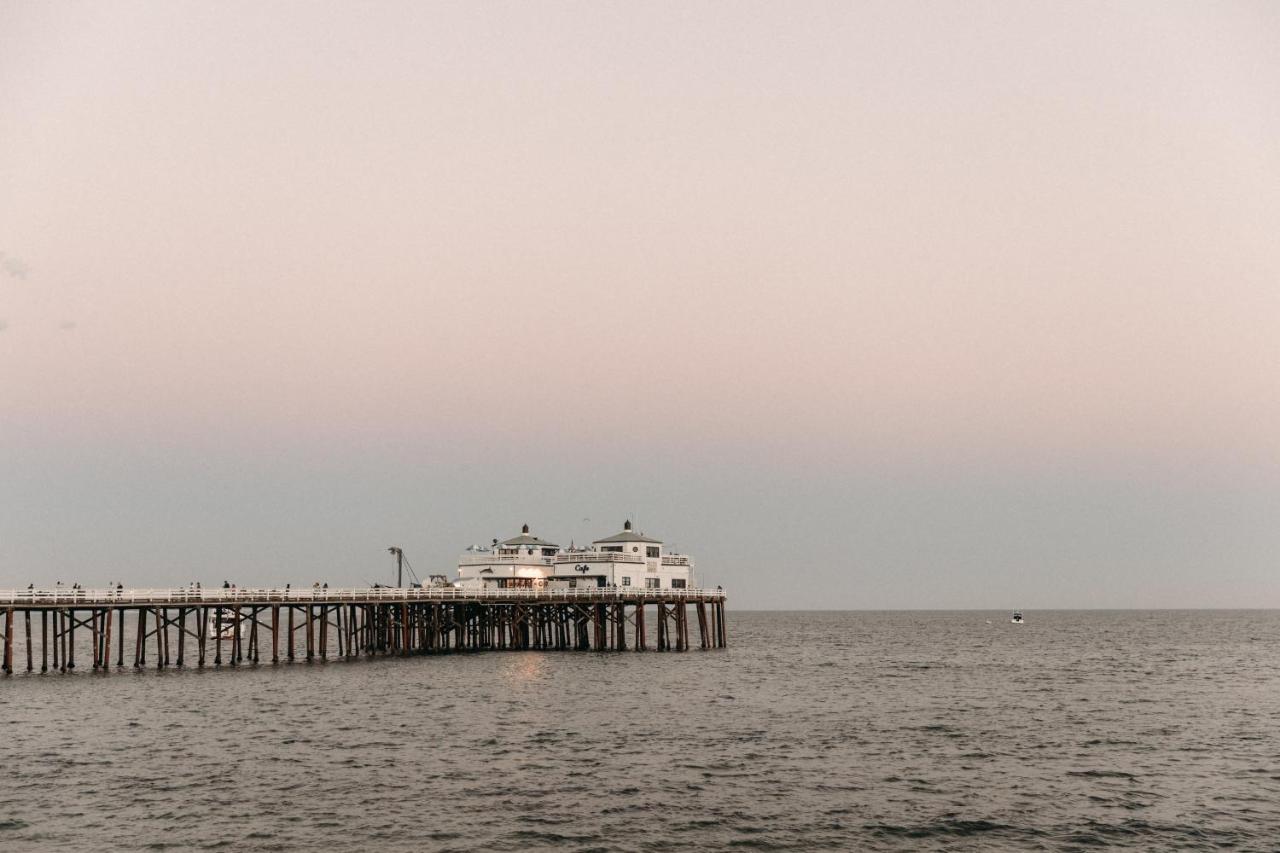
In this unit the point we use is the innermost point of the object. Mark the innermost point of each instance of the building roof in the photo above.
(627, 535)
(525, 539)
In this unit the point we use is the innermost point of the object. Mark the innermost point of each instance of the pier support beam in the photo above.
(8, 641)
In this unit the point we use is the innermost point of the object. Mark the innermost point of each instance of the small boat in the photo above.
(1017, 617)
(228, 624)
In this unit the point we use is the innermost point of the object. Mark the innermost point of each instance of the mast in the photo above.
(399, 555)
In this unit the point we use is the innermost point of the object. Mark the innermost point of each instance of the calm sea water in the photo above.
(875, 731)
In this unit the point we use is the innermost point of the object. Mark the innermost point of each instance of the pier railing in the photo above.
(317, 595)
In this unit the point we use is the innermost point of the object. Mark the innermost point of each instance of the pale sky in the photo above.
(865, 305)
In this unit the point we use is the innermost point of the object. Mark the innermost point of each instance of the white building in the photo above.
(522, 561)
(626, 559)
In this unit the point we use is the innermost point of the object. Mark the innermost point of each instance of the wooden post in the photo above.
(139, 648)
(275, 633)
(217, 636)
(44, 641)
(202, 635)
(30, 653)
(160, 651)
(120, 639)
(106, 642)
(93, 636)
(182, 634)
(8, 641)
(253, 631)
(237, 653)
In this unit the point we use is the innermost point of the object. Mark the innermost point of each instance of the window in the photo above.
(677, 583)
(515, 583)
(653, 583)
(613, 549)
(626, 582)
(573, 583)
(635, 549)
(651, 552)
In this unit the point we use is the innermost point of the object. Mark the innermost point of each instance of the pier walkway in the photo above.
(314, 623)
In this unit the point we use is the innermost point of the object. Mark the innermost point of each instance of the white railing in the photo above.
(113, 597)
(597, 557)
(675, 560)
(527, 559)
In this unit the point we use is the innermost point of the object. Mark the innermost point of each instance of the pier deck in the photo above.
(319, 623)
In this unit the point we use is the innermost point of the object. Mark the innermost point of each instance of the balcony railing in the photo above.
(597, 557)
(506, 560)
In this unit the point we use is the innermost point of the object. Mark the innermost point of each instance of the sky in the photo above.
(864, 305)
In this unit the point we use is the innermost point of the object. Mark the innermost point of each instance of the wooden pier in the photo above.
(200, 627)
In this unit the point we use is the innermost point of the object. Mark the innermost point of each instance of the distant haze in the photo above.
(862, 304)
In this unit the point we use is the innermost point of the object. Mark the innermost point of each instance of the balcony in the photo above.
(597, 557)
(505, 560)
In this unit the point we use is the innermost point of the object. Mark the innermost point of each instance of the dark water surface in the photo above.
(877, 731)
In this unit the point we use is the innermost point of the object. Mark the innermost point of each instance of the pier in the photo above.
(236, 627)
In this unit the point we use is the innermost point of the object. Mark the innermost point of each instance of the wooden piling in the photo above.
(8, 641)
(159, 632)
(106, 640)
(140, 649)
(237, 652)
(182, 634)
(202, 635)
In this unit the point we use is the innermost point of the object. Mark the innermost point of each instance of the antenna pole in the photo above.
(399, 565)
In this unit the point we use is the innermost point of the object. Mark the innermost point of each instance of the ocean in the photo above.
(1149, 730)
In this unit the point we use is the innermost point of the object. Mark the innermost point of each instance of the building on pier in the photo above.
(624, 560)
(521, 561)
